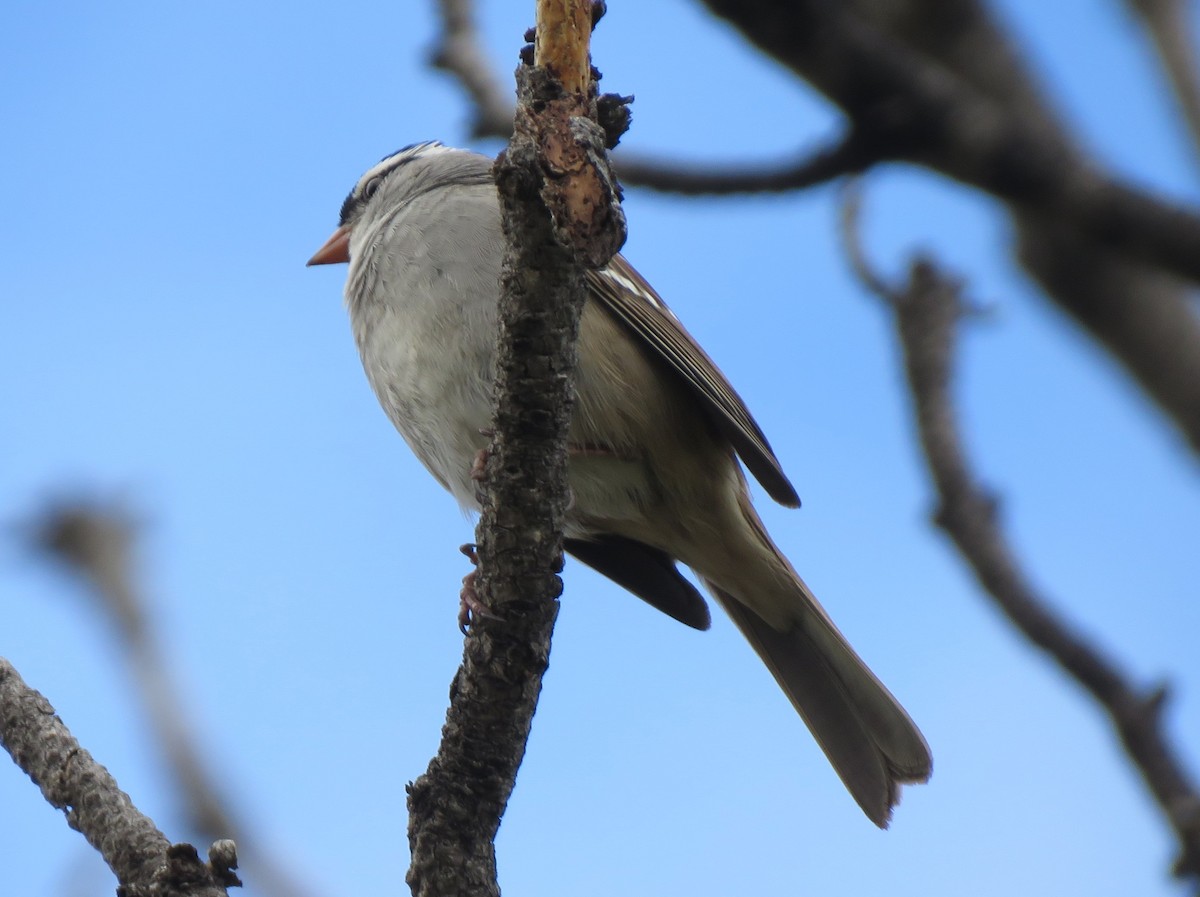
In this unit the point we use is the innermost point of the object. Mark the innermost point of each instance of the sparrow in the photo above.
(654, 442)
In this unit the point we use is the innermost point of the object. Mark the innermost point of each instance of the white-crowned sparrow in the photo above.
(653, 439)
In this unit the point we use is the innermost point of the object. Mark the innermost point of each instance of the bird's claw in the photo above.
(479, 466)
(469, 605)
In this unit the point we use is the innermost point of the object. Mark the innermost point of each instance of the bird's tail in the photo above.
(868, 737)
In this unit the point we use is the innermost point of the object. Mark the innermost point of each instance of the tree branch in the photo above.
(460, 54)
(144, 861)
(1166, 21)
(853, 154)
(97, 542)
(927, 311)
(940, 77)
(930, 117)
(560, 214)
(1143, 317)
(936, 82)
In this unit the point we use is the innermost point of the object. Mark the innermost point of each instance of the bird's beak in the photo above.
(336, 249)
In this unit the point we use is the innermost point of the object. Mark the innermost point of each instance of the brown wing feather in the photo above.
(648, 572)
(633, 302)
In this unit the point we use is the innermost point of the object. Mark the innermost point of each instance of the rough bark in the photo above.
(144, 861)
(560, 215)
(96, 540)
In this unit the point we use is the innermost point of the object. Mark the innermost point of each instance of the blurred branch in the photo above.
(927, 311)
(1141, 315)
(963, 104)
(555, 227)
(851, 155)
(924, 114)
(937, 83)
(914, 110)
(460, 54)
(1166, 21)
(143, 860)
(97, 542)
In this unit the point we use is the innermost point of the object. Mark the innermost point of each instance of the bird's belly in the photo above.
(436, 387)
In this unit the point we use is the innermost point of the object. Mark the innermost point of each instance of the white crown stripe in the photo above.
(401, 156)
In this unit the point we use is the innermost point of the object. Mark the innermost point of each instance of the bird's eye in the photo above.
(372, 185)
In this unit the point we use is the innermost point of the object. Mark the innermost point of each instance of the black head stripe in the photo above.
(382, 169)
(412, 151)
(348, 206)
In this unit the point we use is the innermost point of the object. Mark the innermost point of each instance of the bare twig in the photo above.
(97, 542)
(850, 155)
(1167, 23)
(944, 74)
(935, 82)
(927, 310)
(460, 53)
(915, 111)
(554, 226)
(925, 115)
(1142, 316)
(141, 857)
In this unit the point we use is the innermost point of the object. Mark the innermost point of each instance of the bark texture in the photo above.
(561, 215)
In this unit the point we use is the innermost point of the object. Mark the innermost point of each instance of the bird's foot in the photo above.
(469, 605)
(479, 465)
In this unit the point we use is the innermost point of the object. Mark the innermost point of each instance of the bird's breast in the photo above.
(422, 295)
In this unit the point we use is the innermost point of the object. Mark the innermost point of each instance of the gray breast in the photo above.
(421, 293)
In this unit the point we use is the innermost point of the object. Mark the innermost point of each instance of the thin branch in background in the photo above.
(921, 113)
(944, 76)
(460, 53)
(97, 541)
(554, 227)
(1143, 317)
(947, 77)
(142, 858)
(850, 155)
(927, 312)
(956, 98)
(1168, 24)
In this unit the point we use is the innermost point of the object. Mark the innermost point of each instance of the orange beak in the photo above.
(336, 249)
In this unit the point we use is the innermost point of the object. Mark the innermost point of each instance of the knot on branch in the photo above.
(579, 188)
(184, 874)
(222, 860)
(614, 115)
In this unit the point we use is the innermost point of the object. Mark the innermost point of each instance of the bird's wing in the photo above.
(633, 302)
(648, 572)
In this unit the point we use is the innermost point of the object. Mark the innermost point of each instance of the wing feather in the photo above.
(633, 302)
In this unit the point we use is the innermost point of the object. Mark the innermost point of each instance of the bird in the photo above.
(653, 446)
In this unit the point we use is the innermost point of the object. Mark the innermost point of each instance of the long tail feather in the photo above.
(872, 743)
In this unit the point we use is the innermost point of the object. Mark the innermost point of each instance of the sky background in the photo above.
(169, 168)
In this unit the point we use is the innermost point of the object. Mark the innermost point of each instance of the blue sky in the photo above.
(168, 170)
